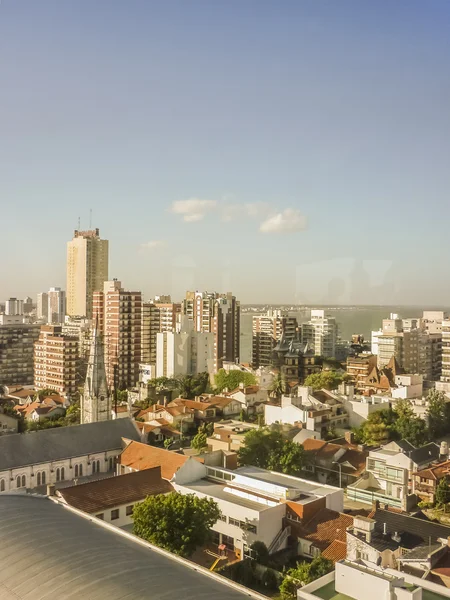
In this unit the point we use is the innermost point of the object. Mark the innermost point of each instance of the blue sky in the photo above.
(290, 151)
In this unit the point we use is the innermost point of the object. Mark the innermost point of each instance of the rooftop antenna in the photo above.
(90, 218)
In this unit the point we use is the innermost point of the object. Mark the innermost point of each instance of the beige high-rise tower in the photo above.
(87, 270)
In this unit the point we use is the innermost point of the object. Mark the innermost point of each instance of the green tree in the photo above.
(267, 449)
(190, 386)
(278, 386)
(178, 523)
(328, 380)
(199, 441)
(438, 414)
(442, 492)
(73, 414)
(378, 429)
(408, 426)
(207, 428)
(302, 574)
(232, 379)
(260, 552)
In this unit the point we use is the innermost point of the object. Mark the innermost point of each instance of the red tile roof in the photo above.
(336, 551)
(140, 456)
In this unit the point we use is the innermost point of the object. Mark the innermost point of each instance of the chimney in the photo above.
(376, 504)
(51, 490)
(165, 401)
(443, 451)
(385, 529)
(349, 437)
(241, 385)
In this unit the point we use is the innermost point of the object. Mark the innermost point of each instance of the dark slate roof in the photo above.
(49, 551)
(429, 452)
(405, 445)
(60, 443)
(413, 525)
(421, 552)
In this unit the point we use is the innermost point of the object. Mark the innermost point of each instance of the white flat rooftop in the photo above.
(286, 481)
(217, 490)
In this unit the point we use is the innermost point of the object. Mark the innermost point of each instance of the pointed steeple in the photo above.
(96, 402)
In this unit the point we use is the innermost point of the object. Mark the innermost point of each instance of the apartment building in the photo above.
(118, 315)
(42, 306)
(359, 368)
(17, 352)
(87, 270)
(321, 333)
(184, 352)
(158, 316)
(56, 358)
(56, 305)
(213, 312)
(266, 331)
(13, 307)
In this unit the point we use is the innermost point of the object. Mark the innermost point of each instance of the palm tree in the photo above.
(278, 386)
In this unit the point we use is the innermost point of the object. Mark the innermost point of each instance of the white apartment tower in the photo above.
(87, 270)
(321, 333)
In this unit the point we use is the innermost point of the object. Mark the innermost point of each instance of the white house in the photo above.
(253, 502)
(50, 456)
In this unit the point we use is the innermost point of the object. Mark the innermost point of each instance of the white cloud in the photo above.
(153, 244)
(289, 220)
(255, 210)
(193, 209)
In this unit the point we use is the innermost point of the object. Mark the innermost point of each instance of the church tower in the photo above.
(96, 400)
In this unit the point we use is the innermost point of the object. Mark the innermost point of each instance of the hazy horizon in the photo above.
(291, 152)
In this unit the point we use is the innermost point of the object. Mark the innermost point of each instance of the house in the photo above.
(137, 457)
(204, 412)
(113, 499)
(178, 416)
(389, 471)
(229, 435)
(155, 432)
(316, 534)
(42, 412)
(48, 550)
(251, 397)
(8, 423)
(357, 581)
(226, 406)
(426, 481)
(398, 541)
(333, 463)
(254, 503)
(51, 456)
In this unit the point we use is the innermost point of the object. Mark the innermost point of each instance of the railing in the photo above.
(279, 540)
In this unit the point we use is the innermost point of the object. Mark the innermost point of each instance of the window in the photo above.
(114, 514)
(62, 474)
(234, 522)
(43, 478)
(18, 481)
(111, 463)
(76, 470)
(24, 481)
(223, 518)
(58, 474)
(2, 485)
(101, 516)
(129, 510)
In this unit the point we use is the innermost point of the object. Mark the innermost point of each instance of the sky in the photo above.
(289, 151)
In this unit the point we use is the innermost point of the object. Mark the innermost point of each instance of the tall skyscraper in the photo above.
(87, 270)
(266, 331)
(17, 353)
(119, 321)
(56, 358)
(42, 306)
(56, 305)
(219, 314)
(96, 398)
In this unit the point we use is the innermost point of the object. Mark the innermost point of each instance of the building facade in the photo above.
(186, 352)
(119, 314)
(42, 306)
(87, 270)
(56, 359)
(157, 317)
(17, 353)
(56, 305)
(216, 313)
(321, 333)
(266, 331)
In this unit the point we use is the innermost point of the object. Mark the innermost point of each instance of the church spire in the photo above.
(96, 401)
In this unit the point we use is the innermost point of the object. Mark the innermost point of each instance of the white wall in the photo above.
(288, 414)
